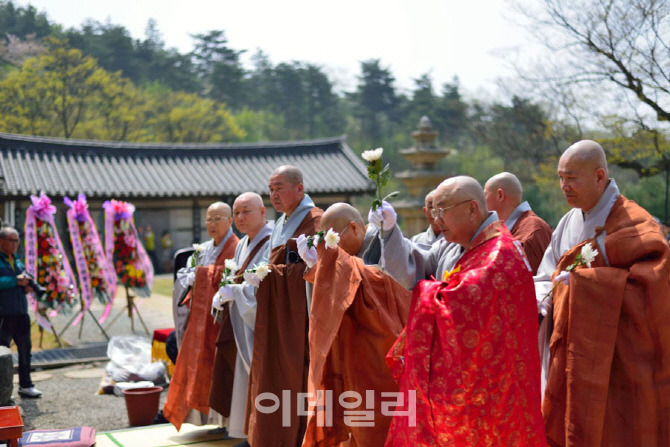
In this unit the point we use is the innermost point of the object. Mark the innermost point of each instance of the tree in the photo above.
(621, 49)
(219, 68)
(376, 99)
(23, 21)
(179, 117)
(51, 93)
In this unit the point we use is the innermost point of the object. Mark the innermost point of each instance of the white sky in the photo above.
(412, 37)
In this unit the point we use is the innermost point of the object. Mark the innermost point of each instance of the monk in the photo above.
(504, 196)
(280, 358)
(607, 330)
(357, 314)
(432, 233)
(228, 395)
(188, 396)
(468, 355)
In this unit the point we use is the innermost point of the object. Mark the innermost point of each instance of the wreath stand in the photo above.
(131, 307)
(83, 317)
(43, 312)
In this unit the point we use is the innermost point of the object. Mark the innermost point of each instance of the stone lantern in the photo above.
(421, 178)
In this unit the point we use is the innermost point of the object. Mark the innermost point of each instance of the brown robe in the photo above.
(223, 374)
(190, 385)
(609, 372)
(358, 312)
(534, 235)
(280, 356)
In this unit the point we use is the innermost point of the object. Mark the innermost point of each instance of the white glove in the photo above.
(217, 305)
(190, 278)
(384, 215)
(307, 254)
(224, 295)
(563, 277)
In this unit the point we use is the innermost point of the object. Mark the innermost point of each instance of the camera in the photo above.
(37, 289)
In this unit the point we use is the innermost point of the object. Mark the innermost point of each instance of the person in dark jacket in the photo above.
(14, 318)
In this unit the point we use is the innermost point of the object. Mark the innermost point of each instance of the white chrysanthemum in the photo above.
(231, 265)
(198, 247)
(588, 254)
(251, 278)
(332, 239)
(372, 155)
(262, 271)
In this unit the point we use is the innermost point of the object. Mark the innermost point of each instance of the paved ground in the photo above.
(69, 397)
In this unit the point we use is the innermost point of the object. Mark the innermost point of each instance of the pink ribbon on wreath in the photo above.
(78, 212)
(43, 210)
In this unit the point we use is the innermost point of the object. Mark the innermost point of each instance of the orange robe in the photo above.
(280, 356)
(534, 235)
(609, 371)
(357, 314)
(192, 379)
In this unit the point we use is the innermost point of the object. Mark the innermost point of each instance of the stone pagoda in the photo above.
(421, 178)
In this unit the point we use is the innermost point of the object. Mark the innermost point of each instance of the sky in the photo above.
(442, 37)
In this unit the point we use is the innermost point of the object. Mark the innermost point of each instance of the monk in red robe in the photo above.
(608, 355)
(504, 195)
(192, 379)
(357, 314)
(280, 358)
(468, 353)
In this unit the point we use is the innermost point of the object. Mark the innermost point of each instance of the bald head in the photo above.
(249, 214)
(587, 152)
(507, 182)
(348, 222)
(462, 188)
(460, 209)
(503, 194)
(583, 174)
(220, 208)
(286, 189)
(290, 173)
(339, 215)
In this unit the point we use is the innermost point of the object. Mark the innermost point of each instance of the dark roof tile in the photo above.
(132, 170)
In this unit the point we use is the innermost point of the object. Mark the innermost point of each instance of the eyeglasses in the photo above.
(439, 212)
(345, 228)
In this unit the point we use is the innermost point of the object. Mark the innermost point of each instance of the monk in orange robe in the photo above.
(357, 314)
(468, 351)
(608, 355)
(503, 195)
(280, 359)
(192, 379)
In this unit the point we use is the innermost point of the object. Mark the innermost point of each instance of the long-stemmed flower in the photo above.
(379, 174)
(197, 254)
(584, 258)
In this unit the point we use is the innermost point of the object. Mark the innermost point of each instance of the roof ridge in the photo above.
(102, 144)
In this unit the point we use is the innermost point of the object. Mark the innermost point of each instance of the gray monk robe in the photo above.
(428, 237)
(408, 262)
(242, 315)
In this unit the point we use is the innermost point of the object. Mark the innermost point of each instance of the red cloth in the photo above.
(162, 334)
(470, 352)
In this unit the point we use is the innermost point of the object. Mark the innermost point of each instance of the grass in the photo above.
(163, 285)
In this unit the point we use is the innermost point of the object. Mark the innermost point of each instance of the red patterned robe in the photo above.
(470, 352)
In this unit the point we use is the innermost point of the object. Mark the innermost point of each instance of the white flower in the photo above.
(372, 155)
(231, 265)
(332, 239)
(251, 278)
(262, 271)
(198, 247)
(588, 254)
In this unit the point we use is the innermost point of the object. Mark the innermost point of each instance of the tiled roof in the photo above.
(132, 170)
